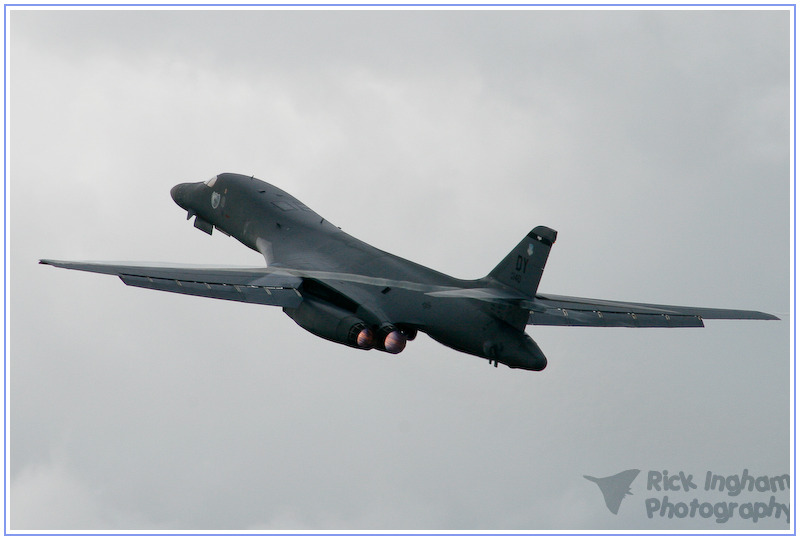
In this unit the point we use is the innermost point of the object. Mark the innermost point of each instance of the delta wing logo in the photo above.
(615, 487)
(214, 200)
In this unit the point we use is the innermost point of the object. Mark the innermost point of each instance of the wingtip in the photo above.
(765, 316)
(53, 262)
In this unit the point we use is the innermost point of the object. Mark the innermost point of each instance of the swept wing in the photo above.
(251, 285)
(556, 310)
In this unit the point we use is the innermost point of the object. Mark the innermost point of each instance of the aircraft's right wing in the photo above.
(251, 285)
(554, 310)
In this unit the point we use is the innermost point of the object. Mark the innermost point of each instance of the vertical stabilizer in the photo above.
(522, 268)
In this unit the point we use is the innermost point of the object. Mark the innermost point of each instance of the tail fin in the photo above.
(522, 268)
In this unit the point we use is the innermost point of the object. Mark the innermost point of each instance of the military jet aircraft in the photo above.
(346, 291)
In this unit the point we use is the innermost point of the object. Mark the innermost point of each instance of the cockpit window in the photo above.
(210, 183)
(283, 205)
(291, 205)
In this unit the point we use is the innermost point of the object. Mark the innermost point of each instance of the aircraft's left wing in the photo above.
(554, 310)
(251, 285)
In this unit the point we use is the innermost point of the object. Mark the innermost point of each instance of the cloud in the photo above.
(655, 142)
(50, 496)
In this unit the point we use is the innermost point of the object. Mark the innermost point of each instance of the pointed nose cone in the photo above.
(179, 195)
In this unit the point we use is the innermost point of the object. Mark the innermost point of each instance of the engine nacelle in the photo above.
(390, 339)
(409, 331)
(332, 323)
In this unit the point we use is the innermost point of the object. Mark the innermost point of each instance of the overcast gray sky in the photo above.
(655, 142)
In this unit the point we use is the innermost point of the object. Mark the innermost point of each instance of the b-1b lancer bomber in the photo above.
(344, 290)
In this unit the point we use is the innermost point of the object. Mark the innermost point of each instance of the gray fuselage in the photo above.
(290, 235)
